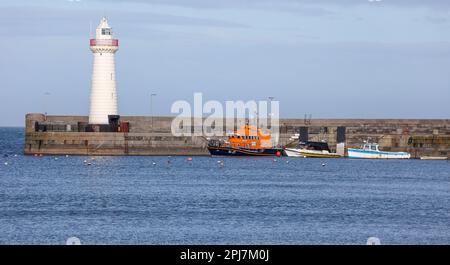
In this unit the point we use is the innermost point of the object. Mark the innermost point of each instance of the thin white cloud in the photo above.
(290, 4)
(42, 21)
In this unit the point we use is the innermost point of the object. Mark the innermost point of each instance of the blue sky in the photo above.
(331, 59)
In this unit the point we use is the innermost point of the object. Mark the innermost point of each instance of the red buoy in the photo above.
(35, 155)
(189, 159)
(278, 153)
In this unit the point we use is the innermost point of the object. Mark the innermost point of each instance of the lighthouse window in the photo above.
(106, 31)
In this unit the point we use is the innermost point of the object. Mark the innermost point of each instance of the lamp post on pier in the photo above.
(46, 95)
(151, 106)
(271, 113)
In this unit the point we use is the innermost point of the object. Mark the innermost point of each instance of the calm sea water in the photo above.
(131, 200)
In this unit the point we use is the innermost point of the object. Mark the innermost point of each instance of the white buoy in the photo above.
(15, 155)
(154, 163)
(73, 241)
(67, 155)
(6, 163)
(373, 241)
(85, 161)
(323, 164)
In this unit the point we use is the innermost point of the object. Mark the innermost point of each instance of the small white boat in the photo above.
(433, 157)
(294, 152)
(371, 150)
(311, 149)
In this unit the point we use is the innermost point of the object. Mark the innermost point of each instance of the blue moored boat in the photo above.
(371, 150)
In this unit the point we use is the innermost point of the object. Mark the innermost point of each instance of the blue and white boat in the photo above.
(371, 150)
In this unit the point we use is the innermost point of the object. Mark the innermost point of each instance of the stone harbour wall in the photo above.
(152, 136)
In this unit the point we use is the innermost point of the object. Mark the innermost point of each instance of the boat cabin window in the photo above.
(372, 147)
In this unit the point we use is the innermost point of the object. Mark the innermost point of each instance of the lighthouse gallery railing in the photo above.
(98, 42)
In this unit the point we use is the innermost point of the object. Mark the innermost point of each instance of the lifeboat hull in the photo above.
(229, 151)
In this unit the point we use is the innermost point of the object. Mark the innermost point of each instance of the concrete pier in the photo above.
(60, 135)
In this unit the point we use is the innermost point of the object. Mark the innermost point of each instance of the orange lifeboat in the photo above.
(246, 141)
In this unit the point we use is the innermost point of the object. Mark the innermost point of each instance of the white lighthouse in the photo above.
(103, 89)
